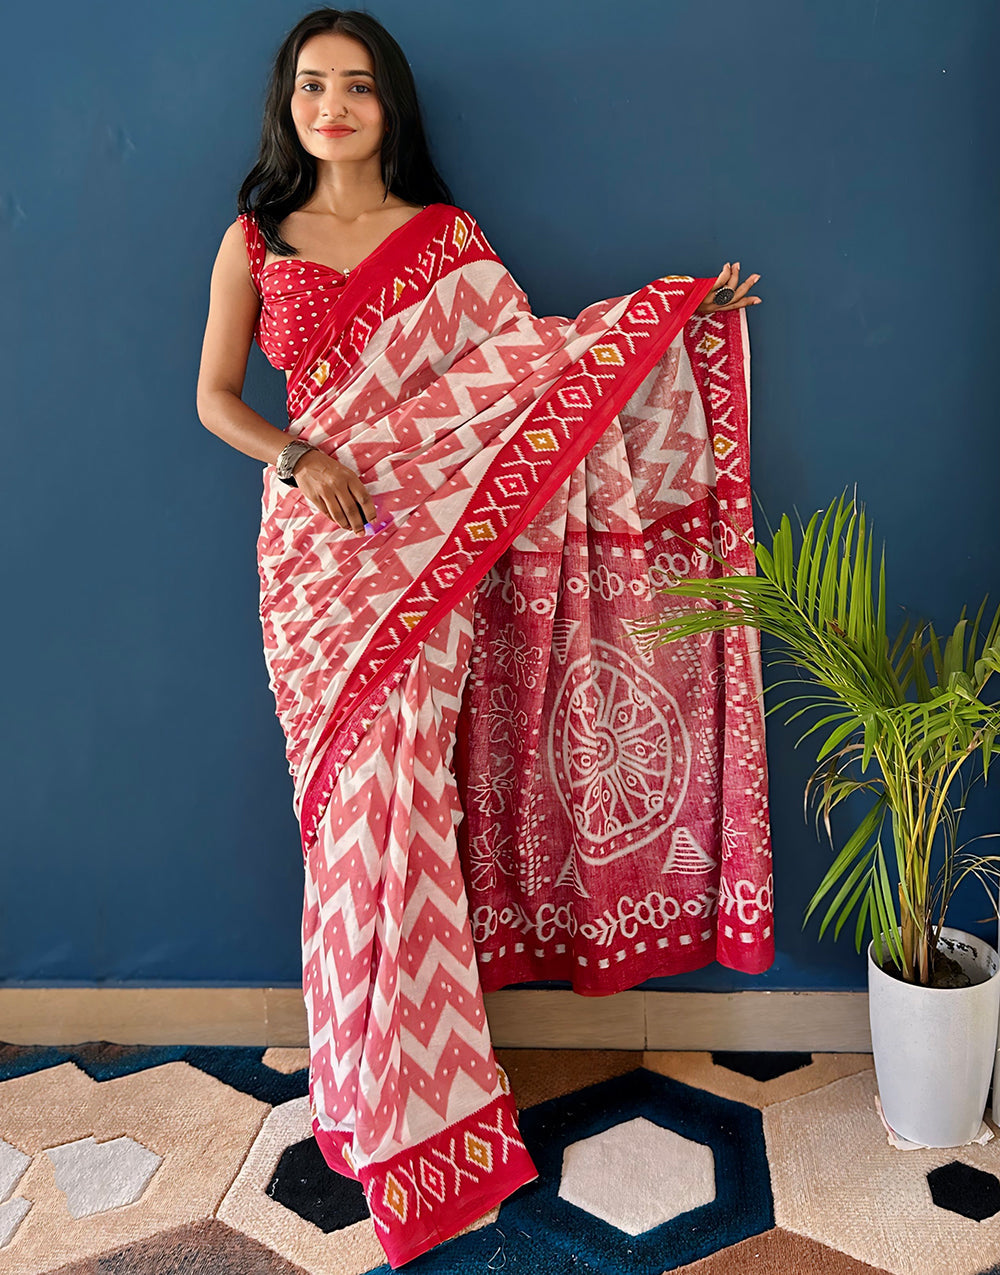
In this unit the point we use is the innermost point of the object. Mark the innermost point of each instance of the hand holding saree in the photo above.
(494, 783)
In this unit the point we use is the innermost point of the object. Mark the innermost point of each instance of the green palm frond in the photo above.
(896, 722)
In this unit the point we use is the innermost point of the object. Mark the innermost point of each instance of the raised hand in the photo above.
(729, 277)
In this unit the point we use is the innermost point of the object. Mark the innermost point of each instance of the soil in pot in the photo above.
(945, 972)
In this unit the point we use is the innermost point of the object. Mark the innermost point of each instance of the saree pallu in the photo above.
(495, 782)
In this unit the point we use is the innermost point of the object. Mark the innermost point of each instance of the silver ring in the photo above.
(723, 296)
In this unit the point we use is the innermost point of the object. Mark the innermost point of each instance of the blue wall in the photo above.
(848, 152)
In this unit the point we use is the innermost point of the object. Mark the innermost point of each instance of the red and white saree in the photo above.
(494, 782)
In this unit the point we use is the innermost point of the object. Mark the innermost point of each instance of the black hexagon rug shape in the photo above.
(962, 1188)
(760, 1066)
(305, 1183)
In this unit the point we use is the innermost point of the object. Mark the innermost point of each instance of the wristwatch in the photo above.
(288, 458)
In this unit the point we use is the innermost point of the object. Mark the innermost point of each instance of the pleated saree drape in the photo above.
(494, 782)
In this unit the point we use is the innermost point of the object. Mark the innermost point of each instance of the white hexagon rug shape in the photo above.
(637, 1175)
(12, 1166)
(12, 1212)
(95, 1176)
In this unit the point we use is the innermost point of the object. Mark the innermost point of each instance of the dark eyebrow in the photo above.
(368, 73)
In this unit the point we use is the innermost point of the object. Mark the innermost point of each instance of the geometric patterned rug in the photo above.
(141, 1160)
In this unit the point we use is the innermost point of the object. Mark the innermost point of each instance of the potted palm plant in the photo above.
(902, 727)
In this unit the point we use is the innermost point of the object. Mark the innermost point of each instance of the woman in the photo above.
(463, 516)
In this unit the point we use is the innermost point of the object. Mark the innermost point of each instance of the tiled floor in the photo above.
(134, 1160)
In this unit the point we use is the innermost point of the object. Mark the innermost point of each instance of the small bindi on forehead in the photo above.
(323, 73)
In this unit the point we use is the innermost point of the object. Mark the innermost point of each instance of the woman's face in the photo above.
(335, 85)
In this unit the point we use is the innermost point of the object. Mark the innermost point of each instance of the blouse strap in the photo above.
(256, 247)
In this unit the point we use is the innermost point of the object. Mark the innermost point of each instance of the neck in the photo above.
(349, 195)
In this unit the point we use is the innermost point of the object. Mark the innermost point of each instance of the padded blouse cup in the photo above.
(294, 298)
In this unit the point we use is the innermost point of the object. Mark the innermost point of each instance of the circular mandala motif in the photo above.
(620, 754)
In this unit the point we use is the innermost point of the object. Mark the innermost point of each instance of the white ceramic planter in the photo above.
(996, 1069)
(935, 1048)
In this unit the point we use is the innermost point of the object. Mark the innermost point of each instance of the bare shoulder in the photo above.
(232, 255)
(233, 307)
(234, 235)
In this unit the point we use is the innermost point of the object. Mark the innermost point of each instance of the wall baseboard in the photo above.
(529, 1018)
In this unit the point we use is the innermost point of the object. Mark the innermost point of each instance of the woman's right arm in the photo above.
(332, 488)
(232, 312)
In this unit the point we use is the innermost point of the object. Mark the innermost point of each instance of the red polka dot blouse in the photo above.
(294, 297)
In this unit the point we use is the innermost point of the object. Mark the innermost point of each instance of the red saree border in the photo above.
(370, 296)
(452, 1177)
(475, 544)
(656, 959)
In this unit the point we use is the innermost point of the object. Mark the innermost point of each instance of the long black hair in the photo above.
(284, 176)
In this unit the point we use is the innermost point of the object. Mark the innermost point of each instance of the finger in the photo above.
(360, 494)
(350, 507)
(727, 279)
(330, 504)
(744, 288)
(336, 514)
(330, 509)
(322, 507)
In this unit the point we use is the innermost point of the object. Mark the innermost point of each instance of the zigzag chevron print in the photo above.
(495, 781)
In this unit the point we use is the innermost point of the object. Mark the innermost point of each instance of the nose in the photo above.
(332, 106)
